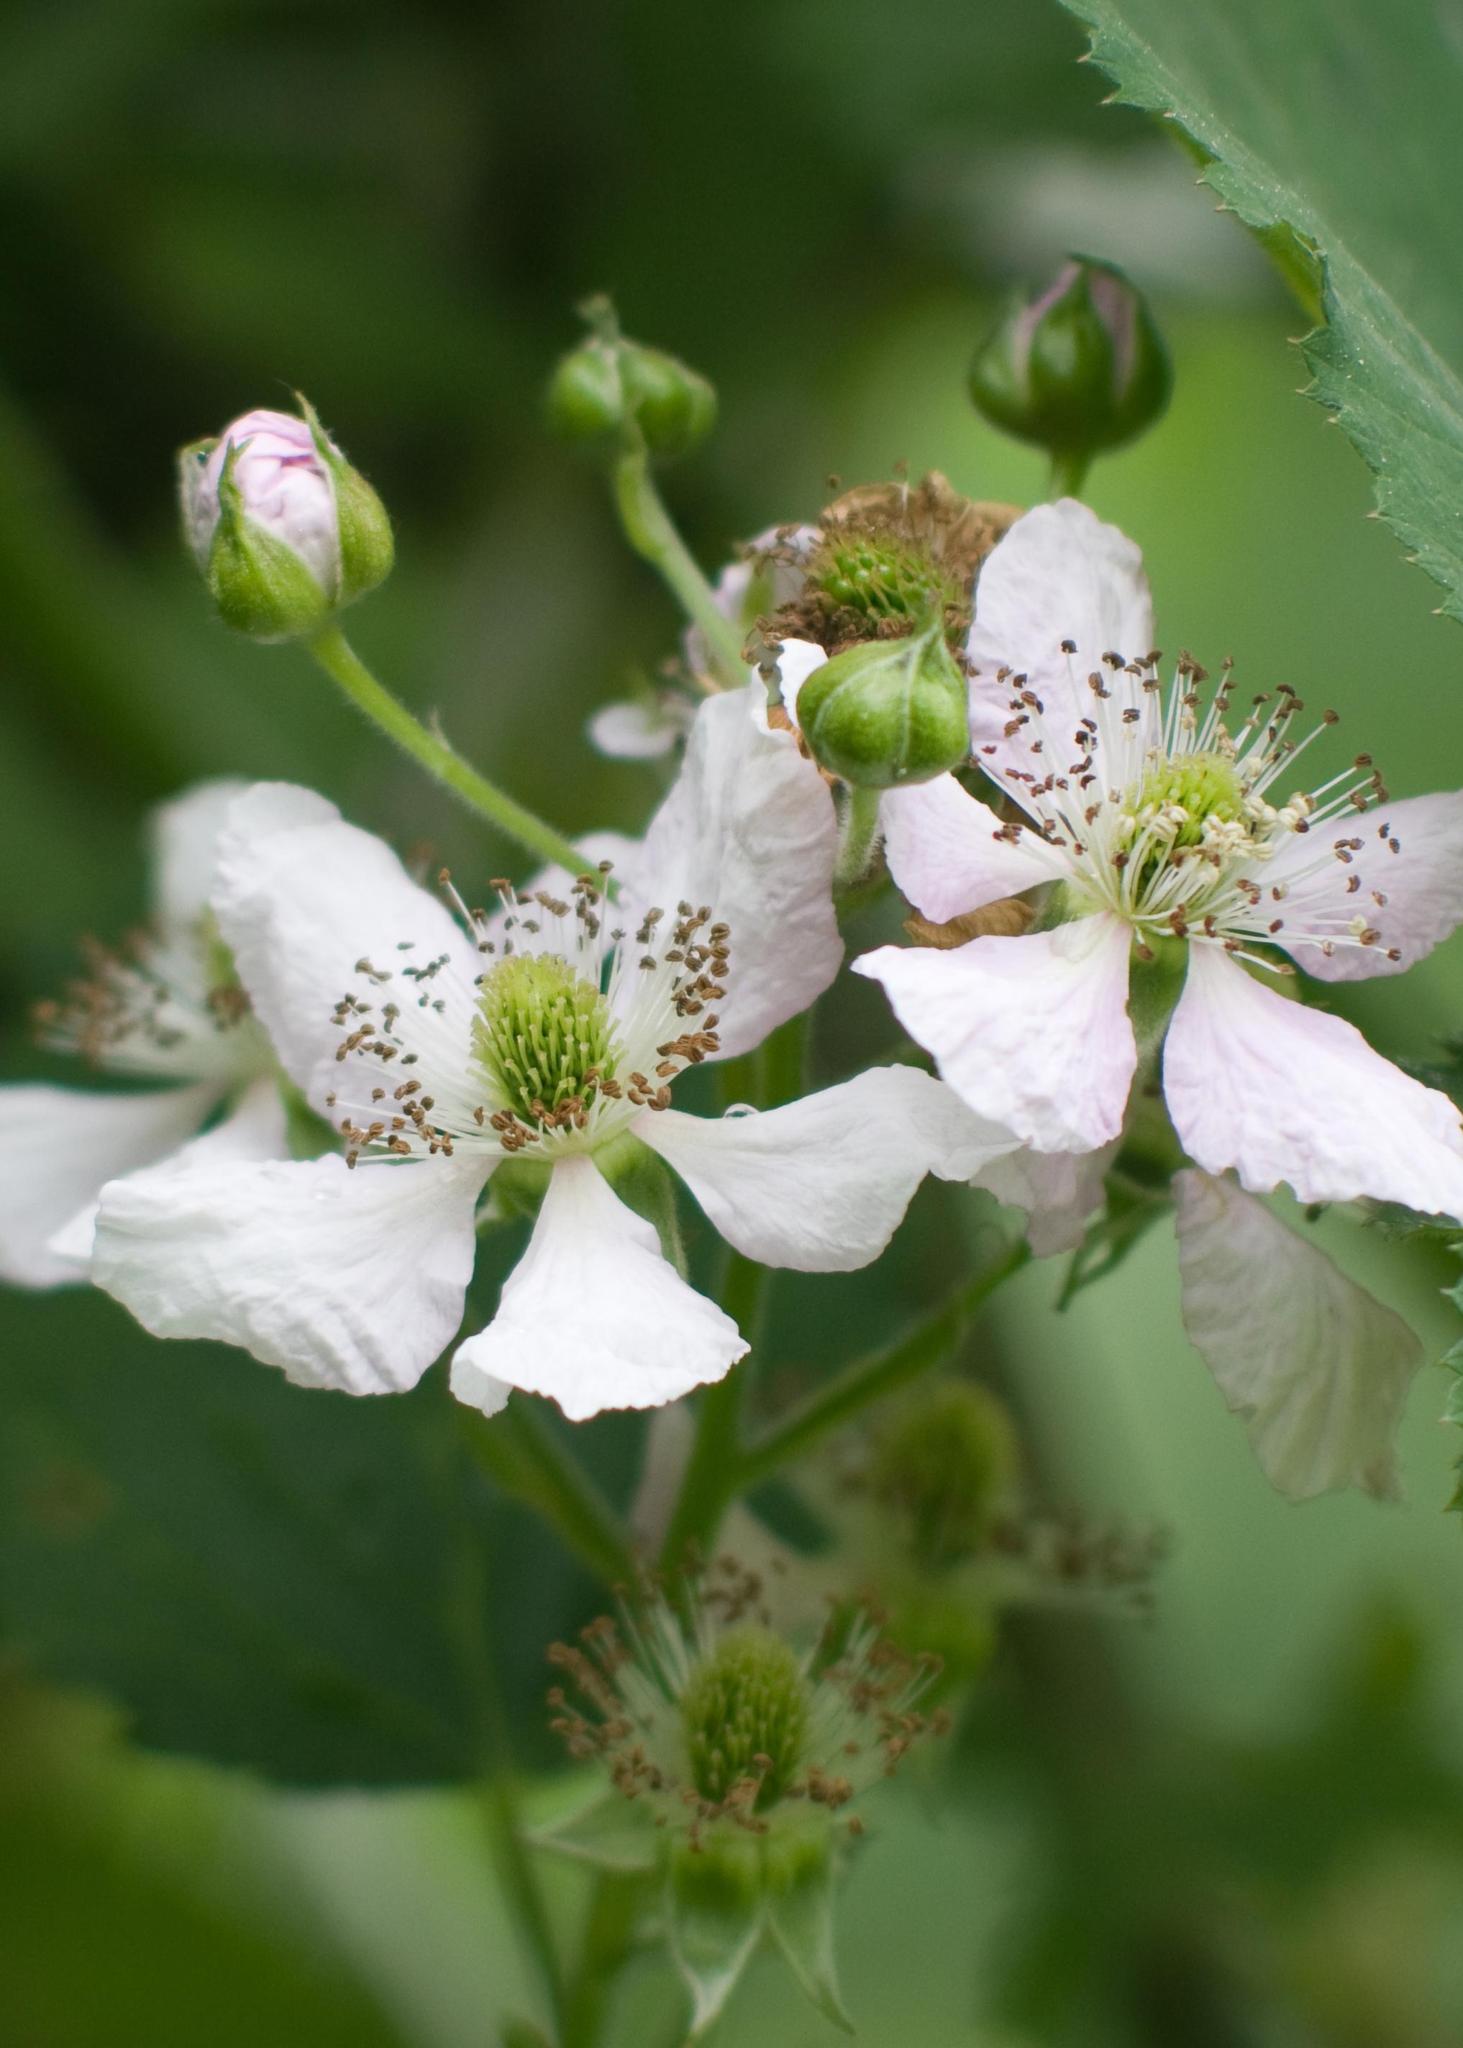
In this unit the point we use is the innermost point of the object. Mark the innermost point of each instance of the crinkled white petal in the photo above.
(184, 848)
(796, 661)
(1058, 1190)
(948, 854)
(302, 898)
(631, 730)
(1032, 1032)
(1059, 574)
(58, 1146)
(254, 1128)
(1317, 1369)
(1411, 898)
(1282, 1093)
(749, 830)
(349, 1279)
(593, 1316)
(820, 1185)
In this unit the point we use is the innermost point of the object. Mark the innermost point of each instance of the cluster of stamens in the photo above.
(1168, 819)
(148, 1005)
(708, 1714)
(571, 1027)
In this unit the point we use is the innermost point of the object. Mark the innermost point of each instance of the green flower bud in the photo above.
(284, 530)
(1078, 369)
(888, 711)
(947, 1464)
(610, 385)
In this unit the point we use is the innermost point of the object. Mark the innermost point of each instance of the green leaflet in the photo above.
(1331, 128)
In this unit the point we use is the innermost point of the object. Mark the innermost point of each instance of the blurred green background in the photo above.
(1241, 1824)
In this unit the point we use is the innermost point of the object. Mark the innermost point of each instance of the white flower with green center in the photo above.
(167, 1010)
(737, 1761)
(1176, 834)
(445, 1043)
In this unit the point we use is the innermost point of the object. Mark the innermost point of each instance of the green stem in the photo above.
(609, 1937)
(522, 1456)
(856, 845)
(651, 532)
(1069, 473)
(869, 1379)
(498, 1803)
(344, 666)
(710, 1478)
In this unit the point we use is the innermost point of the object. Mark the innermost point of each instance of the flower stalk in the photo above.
(345, 668)
(652, 533)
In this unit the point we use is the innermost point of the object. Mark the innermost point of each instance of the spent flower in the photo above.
(744, 1759)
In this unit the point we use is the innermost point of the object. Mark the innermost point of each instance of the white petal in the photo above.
(1059, 574)
(185, 834)
(1032, 1032)
(592, 1315)
(749, 830)
(1316, 1367)
(350, 1279)
(630, 730)
(1058, 1190)
(57, 1148)
(1421, 886)
(255, 1128)
(821, 1184)
(796, 661)
(946, 850)
(1283, 1093)
(302, 898)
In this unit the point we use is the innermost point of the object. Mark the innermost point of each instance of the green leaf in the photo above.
(1331, 127)
(262, 1575)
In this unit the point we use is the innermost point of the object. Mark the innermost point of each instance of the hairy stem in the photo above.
(870, 1379)
(652, 533)
(344, 666)
(1069, 473)
(710, 1479)
(520, 1453)
(856, 843)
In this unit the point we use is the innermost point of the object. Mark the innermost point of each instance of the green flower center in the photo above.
(745, 1715)
(543, 1035)
(880, 579)
(946, 1463)
(1203, 786)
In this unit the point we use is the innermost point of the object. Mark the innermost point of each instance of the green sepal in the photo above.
(367, 545)
(519, 1185)
(611, 1832)
(799, 1876)
(260, 585)
(888, 712)
(1453, 1406)
(716, 1909)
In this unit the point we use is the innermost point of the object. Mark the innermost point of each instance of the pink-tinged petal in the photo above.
(593, 1316)
(1315, 1367)
(254, 1128)
(749, 830)
(950, 853)
(1282, 1093)
(1409, 898)
(1032, 1032)
(302, 899)
(185, 833)
(58, 1146)
(821, 1184)
(1059, 574)
(349, 1279)
(1059, 1191)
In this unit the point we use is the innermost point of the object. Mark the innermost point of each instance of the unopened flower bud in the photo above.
(285, 531)
(1078, 369)
(888, 711)
(610, 384)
